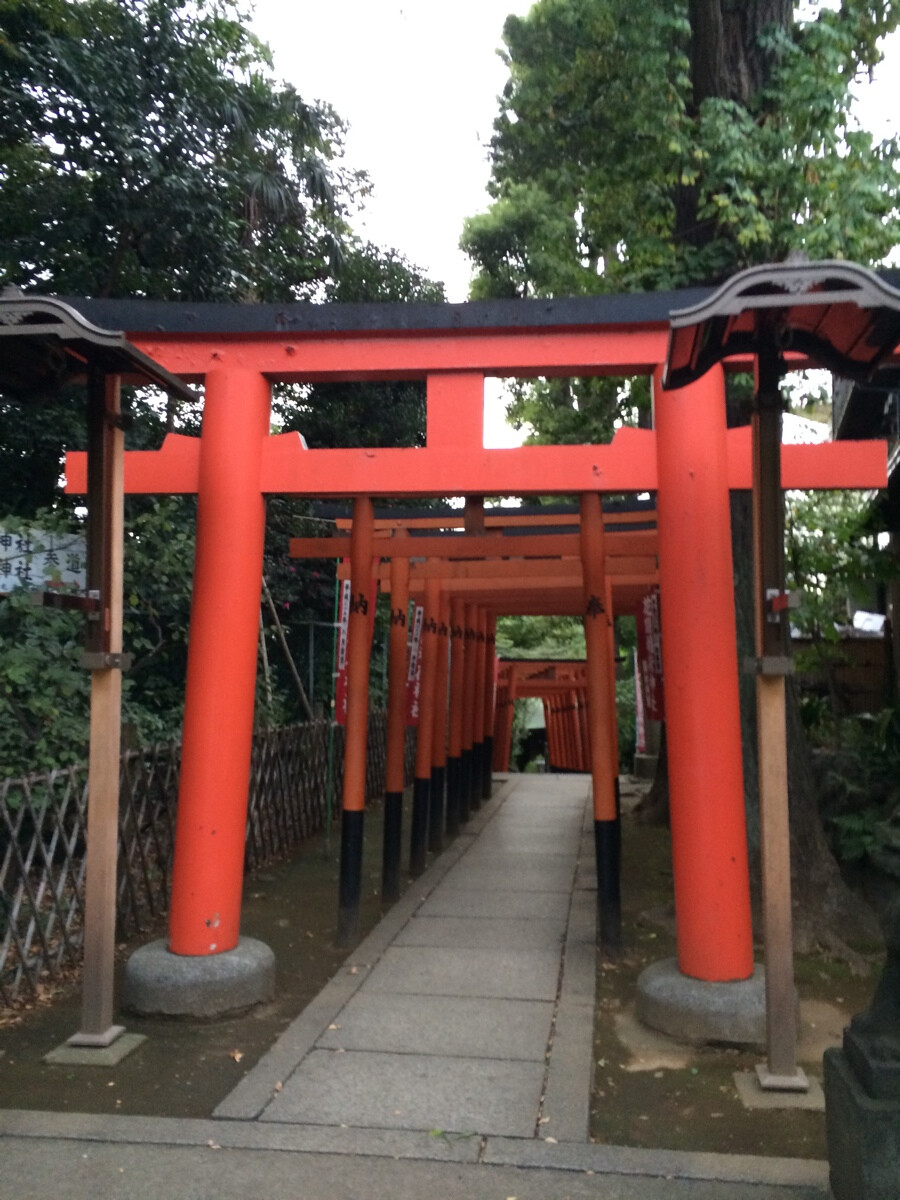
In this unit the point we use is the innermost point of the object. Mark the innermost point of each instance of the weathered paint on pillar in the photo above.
(490, 694)
(437, 815)
(358, 650)
(418, 847)
(607, 837)
(396, 726)
(469, 637)
(208, 870)
(457, 803)
(478, 706)
(699, 649)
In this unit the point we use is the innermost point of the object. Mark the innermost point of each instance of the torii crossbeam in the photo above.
(240, 353)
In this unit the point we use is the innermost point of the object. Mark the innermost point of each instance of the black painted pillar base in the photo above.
(487, 768)
(608, 848)
(436, 811)
(350, 881)
(475, 776)
(453, 804)
(465, 790)
(392, 847)
(418, 840)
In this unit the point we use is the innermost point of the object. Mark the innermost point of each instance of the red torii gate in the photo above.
(239, 353)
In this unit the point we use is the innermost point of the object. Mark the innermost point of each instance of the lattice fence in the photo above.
(42, 837)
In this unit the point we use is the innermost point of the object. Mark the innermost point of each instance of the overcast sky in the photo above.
(417, 81)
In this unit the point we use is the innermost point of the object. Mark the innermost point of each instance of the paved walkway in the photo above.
(450, 1057)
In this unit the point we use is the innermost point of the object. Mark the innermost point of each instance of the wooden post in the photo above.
(437, 814)
(780, 1072)
(211, 826)
(470, 622)
(422, 783)
(396, 727)
(105, 518)
(607, 838)
(699, 651)
(358, 647)
(490, 702)
(457, 802)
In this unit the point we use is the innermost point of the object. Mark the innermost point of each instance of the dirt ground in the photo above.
(653, 1092)
(648, 1091)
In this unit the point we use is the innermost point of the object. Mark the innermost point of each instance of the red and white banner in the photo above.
(414, 673)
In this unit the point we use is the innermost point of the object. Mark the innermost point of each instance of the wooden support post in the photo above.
(607, 837)
(699, 652)
(418, 847)
(457, 802)
(478, 707)
(358, 648)
(509, 717)
(470, 624)
(105, 497)
(396, 727)
(780, 1071)
(490, 701)
(438, 749)
(208, 871)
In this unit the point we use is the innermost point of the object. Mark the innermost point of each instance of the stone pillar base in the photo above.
(693, 1010)
(158, 982)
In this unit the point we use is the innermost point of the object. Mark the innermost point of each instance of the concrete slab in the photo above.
(485, 932)
(454, 902)
(424, 970)
(67, 1055)
(751, 1095)
(510, 873)
(463, 1026)
(472, 1097)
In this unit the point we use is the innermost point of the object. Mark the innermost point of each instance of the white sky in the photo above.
(417, 81)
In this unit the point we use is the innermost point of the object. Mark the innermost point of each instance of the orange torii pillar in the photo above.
(478, 707)
(358, 649)
(418, 847)
(470, 634)
(208, 871)
(699, 648)
(440, 814)
(607, 836)
(457, 803)
(506, 719)
(394, 774)
(489, 704)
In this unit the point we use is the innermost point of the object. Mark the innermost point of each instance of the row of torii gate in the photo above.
(690, 460)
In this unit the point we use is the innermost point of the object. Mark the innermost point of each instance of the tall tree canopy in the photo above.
(145, 149)
(678, 143)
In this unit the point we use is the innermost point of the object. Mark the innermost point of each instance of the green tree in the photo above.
(145, 149)
(674, 146)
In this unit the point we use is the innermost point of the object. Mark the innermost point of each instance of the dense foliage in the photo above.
(147, 150)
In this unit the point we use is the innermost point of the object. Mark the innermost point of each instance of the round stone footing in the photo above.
(178, 985)
(693, 1010)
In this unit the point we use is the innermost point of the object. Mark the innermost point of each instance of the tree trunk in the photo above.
(726, 59)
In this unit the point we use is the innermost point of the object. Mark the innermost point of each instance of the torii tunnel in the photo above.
(690, 460)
